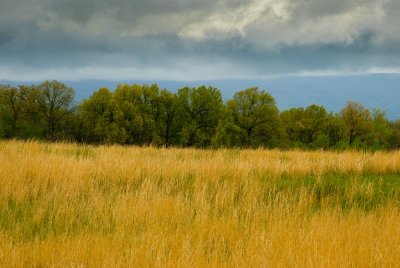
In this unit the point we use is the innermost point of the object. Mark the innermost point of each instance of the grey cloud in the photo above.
(286, 21)
(192, 38)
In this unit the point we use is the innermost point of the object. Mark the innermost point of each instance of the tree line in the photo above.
(190, 117)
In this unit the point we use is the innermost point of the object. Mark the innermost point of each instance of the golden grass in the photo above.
(106, 206)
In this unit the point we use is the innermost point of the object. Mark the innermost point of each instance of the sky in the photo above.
(196, 40)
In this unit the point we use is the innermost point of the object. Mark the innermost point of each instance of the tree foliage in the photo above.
(191, 116)
(55, 100)
(255, 113)
(358, 122)
(306, 127)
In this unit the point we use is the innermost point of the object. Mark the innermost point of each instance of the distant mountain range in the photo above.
(380, 91)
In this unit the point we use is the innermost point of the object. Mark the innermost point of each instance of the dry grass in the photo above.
(70, 205)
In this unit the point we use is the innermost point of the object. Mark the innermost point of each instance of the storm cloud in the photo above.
(188, 39)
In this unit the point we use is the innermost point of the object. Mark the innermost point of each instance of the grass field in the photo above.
(73, 205)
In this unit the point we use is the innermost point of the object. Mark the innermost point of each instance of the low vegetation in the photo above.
(106, 206)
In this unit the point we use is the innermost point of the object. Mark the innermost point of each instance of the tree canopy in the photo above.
(189, 117)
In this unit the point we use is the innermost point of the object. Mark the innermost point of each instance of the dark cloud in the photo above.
(193, 39)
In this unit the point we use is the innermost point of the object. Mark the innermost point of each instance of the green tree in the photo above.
(292, 122)
(92, 112)
(382, 130)
(110, 127)
(33, 123)
(226, 133)
(335, 129)
(255, 113)
(167, 123)
(199, 112)
(20, 112)
(306, 126)
(55, 101)
(150, 111)
(315, 119)
(394, 139)
(358, 122)
(129, 99)
(13, 101)
(3, 111)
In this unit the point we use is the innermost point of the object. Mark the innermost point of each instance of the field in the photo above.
(113, 206)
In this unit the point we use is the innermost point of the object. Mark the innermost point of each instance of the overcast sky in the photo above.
(194, 40)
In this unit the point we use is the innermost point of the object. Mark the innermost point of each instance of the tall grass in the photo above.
(107, 206)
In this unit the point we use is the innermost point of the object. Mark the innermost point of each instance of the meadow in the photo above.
(114, 206)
